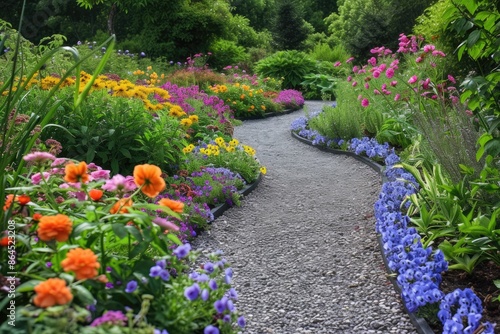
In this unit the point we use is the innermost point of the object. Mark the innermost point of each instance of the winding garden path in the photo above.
(303, 245)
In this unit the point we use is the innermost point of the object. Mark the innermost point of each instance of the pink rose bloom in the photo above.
(389, 73)
(376, 74)
(365, 103)
(360, 97)
(337, 64)
(413, 79)
(37, 178)
(452, 79)
(397, 97)
(429, 48)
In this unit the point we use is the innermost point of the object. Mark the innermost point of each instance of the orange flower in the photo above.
(37, 216)
(83, 262)
(4, 242)
(95, 194)
(56, 227)
(8, 202)
(76, 173)
(52, 292)
(121, 206)
(23, 199)
(148, 177)
(175, 206)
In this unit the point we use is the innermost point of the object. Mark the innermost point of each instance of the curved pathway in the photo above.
(302, 245)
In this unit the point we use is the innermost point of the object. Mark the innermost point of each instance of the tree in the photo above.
(289, 30)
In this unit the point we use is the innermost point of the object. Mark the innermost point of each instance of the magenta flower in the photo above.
(452, 79)
(394, 83)
(397, 97)
(349, 60)
(425, 83)
(372, 61)
(365, 103)
(413, 79)
(355, 69)
(164, 223)
(367, 85)
(110, 318)
(376, 74)
(349, 78)
(101, 174)
(337, 64)
(438, 53)
(354, 83)
(376, 92)
(419, 59)
(429, 48)
(389, 73)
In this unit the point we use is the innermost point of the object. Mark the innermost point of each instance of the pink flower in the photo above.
(349, 78)
(386, 92)
(355, 69)
(382, 67)
(454, 99)
(100, 174)
(39, 157)
(425, 83)
(360, 97)
(452, 79)
(59, 162)
(376, 92)
(354, 83)
(337, 64)
(397, 97)
(429, 48)
(468, 112)
(384, 86)
(413, 79)
(394, 83)
(349, 60)
(37, 178)
(120, 183)
(389, 73)
(367, 85)
(419, 59)
(164, 223)
(365, 103)
(372, 61)
(438, 53)
(394, 64)
(376, 74)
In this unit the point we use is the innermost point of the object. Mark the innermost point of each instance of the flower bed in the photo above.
(417, 268)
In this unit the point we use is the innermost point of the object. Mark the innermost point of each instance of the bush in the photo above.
(290, 66)
(226, 53)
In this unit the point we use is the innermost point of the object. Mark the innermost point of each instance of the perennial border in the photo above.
(420, 324)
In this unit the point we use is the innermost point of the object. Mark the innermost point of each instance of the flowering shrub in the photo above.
(290, 99)
(104, 250)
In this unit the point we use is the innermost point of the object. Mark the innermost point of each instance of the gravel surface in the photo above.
(302, 245)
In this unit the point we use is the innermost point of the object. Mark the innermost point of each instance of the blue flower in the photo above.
(241, 322)
(220, 305)
(182, 251)
(229, 275)
(164, 275)
(205, 294)
(212, 284)
(211, 330)
(155, 271)
(192, 292)
(131, 286)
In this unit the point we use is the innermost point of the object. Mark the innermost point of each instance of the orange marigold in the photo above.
(37, 216)
(8, 202)
(83, 262)
(56, 227)
(23, 199)
(4, 242)
(176, 206)
(148, 177)
(76, 173)
(95, 194)
(52, 292)
(121, 206)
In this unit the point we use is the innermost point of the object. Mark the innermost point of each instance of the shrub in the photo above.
(226, 53)
(289, 66)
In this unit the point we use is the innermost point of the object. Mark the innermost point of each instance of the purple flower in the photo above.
(228, 275)
(111, 318)
(220, 305)
(209, 267)
(131, 286)
(233, 294)
(205, 294)
(211, 330)
(192, 292)
(212, 284)
(182, 251)
(164, 275)
(241, 322)
(39, 158)
(155, 271)
(120, 183)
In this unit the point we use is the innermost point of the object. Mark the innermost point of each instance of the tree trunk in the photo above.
(111, 16)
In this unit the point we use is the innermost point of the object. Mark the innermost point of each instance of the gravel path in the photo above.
(302, 245)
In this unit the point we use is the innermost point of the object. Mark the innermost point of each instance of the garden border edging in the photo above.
(420, 324)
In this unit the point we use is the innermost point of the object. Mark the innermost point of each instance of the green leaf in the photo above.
(83, 294)
(139, 249)
(28, 286)
(119, 230)
(135, 232)
(83, 227)
(473, 38)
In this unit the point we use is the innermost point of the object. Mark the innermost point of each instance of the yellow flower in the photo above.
(149, 68)
(230, 148)
(263, 107)
(186, 122)
(242, 96)
(188, 149)
(234, 142)
(220, 141)
(263, 170)
(193, 118)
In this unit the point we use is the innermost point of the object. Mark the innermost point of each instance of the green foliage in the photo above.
(324, 52)
(226, 53)
(319, 87)
(289, 29)
(289, 66)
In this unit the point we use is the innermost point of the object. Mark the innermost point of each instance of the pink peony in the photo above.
(389, 73)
